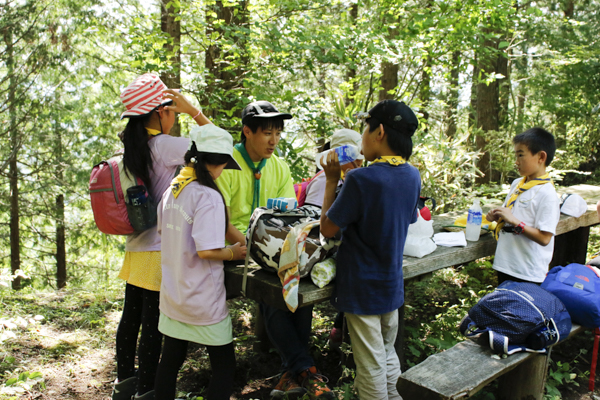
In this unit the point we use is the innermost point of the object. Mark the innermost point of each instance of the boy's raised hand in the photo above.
(332, 168)
(239, 251)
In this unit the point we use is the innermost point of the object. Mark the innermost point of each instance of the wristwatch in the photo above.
(517, 230)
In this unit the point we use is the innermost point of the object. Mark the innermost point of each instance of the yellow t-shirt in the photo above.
(238, 187)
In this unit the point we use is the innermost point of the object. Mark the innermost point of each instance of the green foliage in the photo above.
(561, 374)
(435, 306)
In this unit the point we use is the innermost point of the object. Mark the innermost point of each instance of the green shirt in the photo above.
(237, 187)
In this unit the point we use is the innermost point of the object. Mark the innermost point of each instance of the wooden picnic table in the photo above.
(570, 246)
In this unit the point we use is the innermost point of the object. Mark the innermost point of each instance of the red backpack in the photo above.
(300, 189)
(120, 202)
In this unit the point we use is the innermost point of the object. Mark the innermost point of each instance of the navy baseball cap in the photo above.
(394, 114)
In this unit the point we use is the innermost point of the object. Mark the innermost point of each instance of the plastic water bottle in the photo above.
(474, 222)
(282, 203)
(346, 154)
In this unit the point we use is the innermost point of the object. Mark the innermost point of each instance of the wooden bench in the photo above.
(467, 367)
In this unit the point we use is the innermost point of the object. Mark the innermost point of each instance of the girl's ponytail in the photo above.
(203, 176)
(137, 158)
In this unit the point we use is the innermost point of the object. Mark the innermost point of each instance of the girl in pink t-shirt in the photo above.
(192, 219)
(151, 154)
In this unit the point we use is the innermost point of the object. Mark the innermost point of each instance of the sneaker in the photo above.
(125, 389)
(146, 396)
(315, 384)
(335, 338)
(287, 385)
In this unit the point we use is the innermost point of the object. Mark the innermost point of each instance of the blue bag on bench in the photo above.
(578, 287)
(516, 317)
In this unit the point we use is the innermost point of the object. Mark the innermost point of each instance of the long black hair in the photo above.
(137, 158)
(203, 175)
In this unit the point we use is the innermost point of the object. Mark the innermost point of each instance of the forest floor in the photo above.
(69, 353)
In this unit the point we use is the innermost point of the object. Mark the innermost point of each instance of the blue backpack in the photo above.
(578, 287)
(517, 317)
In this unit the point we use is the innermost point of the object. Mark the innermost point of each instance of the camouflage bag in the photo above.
(268, 229)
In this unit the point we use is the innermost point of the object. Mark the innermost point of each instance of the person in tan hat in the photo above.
(153, 156)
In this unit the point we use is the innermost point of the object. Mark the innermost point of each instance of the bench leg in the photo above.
(525, 382)
(263, 343)
(571, 247)
(399, 344)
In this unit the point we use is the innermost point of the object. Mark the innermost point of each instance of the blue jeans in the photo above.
(289, 332)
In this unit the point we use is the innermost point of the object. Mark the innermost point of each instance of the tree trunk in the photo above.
(171, 26)
(425, 90)
(389, 74)
(15, 245)
(522, 71)
(226, 69)
(504, 89)
(351, 72)
(473, 105)
(488, 107)
(389, 80)
(453, 91)
(61, 256)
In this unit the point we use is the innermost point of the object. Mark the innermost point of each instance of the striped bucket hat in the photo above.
(143, 95)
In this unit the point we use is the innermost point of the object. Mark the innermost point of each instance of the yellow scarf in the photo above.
(521, 188)
(153, 132)
(186, 175)
(393, 160)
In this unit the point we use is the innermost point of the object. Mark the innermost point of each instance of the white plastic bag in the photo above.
(418, 240)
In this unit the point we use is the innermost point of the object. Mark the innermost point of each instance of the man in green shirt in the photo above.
(264, 176)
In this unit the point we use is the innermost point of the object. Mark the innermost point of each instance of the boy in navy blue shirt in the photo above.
(373, 210)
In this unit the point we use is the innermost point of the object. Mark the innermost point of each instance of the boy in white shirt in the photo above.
(528, 218)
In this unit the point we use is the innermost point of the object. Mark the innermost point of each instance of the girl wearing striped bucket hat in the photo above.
(153, 156)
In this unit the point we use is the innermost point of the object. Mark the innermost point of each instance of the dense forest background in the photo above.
(477, 72)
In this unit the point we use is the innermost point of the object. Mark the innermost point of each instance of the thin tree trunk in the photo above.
(425, 90)
(170, 25)
(522, 71)
(474, 83)
(503, 68)
(15, 245)
(61, 256)
(351, 72)
(451, 112)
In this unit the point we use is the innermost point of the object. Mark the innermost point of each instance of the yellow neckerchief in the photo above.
(521, 188)
(393, 160)
(186, 175)
(153, 132)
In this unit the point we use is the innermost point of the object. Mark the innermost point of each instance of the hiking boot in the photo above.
(315, 384)
(124, 390)
(287, 385)
(335, 338)
(146, 396)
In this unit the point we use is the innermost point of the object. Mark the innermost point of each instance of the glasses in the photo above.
(362, 115)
